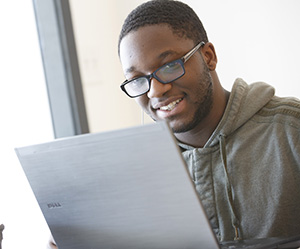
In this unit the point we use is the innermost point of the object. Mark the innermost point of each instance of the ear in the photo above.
(209, 56)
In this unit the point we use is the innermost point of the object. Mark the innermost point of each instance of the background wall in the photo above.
(257, 40)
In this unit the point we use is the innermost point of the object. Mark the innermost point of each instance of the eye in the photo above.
(137, 83)
(171, 67)
(137, 86)
(170, 71)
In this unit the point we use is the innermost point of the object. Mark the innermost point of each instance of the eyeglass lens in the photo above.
(137, 87)
(169, 72)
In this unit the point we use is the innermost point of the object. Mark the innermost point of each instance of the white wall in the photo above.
(257, 40)
(25, 120)
(96, 26)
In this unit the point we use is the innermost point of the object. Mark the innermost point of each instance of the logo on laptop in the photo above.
(54, 205)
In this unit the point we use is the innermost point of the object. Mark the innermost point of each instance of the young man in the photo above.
(242, 148)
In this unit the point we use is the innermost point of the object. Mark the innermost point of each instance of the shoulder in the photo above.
(282, 110)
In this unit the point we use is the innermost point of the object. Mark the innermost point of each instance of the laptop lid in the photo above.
(128, 188)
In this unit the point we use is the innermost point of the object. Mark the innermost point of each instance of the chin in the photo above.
(186, 123)
(180, 128)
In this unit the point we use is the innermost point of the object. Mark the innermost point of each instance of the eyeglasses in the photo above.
(164, 74)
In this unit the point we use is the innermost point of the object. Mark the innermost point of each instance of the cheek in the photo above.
(197, 74)
(192, 72)
(142, 101)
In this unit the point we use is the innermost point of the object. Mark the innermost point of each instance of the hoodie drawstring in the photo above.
(234, 220)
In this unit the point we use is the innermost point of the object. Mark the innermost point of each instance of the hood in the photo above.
(244, 102)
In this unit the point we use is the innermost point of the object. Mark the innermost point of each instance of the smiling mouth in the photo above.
(170, 106)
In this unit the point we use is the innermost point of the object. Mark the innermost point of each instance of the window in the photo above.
(25, 120)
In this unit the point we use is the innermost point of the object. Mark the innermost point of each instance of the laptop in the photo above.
(128, 188)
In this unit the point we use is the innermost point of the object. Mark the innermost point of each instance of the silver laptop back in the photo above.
(121, 189)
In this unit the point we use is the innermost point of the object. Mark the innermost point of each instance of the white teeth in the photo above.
(170, 106)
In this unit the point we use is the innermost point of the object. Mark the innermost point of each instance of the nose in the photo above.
(158, 89)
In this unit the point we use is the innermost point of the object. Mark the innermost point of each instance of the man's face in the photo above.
(185, 102)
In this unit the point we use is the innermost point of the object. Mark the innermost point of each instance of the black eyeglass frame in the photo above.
(181, 61)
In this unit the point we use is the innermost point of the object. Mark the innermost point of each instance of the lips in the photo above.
(170, 106)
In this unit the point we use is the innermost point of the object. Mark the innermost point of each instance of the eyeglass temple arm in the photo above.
(189, 54)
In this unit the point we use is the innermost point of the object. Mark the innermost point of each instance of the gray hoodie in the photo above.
(248, 173)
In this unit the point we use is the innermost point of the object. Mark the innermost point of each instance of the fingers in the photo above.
(51, 243)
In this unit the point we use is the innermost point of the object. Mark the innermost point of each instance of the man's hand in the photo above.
(1, 230)
(51, 243)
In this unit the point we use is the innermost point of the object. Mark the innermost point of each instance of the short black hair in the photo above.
(179, 16)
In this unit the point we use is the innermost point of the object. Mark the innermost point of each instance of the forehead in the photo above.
(151, 44)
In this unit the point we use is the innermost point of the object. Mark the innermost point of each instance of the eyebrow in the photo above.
(161, 56)
(130, 70)
(167, 53)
